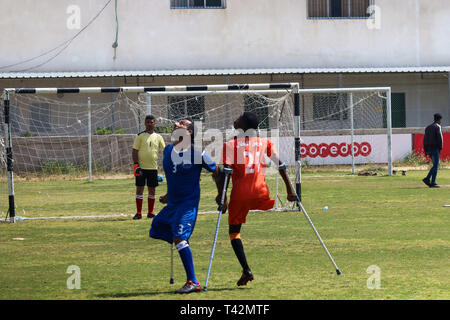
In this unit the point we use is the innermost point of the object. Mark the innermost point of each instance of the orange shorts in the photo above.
(238, 209)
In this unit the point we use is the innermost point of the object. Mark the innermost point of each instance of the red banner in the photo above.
(445, 152)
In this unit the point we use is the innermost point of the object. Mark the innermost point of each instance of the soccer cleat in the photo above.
(246, 277)
(150, 215)
(426, 181)
(137, 216)
(189, 287)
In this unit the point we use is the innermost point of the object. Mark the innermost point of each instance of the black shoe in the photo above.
(434, 185)
(150, 215)
(246, 277)
(426, 181)
(189, 287)
(137, 216)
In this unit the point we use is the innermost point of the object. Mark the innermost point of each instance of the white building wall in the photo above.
(247, 34)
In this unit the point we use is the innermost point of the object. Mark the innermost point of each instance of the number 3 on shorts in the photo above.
(180, 229)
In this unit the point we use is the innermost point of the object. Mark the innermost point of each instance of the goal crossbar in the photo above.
(345, 90)
(142, 89)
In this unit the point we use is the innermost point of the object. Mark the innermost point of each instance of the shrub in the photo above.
(415, 159)
(51, 167)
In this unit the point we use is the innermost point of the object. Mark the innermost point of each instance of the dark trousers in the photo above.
(435, 155)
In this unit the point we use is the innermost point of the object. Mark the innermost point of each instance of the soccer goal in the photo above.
(346, 126)
(66, 152)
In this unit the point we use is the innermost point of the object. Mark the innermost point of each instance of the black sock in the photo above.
(239, 251)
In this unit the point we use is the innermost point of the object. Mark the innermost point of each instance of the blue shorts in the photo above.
(174, 221)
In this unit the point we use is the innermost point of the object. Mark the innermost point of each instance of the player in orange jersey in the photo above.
(245, 155)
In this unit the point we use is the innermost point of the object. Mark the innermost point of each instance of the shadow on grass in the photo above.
(154, 293)
(132, 294)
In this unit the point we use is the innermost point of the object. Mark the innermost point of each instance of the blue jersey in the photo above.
(182, 170)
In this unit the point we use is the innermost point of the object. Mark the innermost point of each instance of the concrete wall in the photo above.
(247, 34)
(425, 94)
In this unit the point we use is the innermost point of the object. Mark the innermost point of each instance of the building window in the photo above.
(182, 107)
(339, 9)
(398, 111)
(330, 106)
(197, 4)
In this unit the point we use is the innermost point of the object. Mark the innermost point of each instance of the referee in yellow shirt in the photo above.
(145, 158)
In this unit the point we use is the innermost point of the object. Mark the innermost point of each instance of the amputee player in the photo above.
(176, 221)
(245, 155)
(145, 158)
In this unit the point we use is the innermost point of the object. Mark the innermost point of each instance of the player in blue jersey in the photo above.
(176, 221)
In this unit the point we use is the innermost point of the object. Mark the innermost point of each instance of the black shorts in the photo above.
(148, 177)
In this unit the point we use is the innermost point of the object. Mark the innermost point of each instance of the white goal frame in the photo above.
(387, 91)
(267, 88)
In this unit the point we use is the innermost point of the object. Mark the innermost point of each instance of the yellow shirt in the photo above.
(147, 145)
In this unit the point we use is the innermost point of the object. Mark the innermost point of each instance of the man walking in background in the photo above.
(432, 144)
(145, 158)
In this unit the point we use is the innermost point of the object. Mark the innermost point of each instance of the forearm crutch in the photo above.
(171, 264)
(314, 228)
(227, 172)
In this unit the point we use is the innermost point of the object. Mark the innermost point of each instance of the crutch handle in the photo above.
(227, 170)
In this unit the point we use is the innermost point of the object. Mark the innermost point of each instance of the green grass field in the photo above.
(394, 223)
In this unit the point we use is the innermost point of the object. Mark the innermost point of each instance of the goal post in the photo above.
(9, 158)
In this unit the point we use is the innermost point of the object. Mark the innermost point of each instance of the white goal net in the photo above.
(346, 126)
(72, 151)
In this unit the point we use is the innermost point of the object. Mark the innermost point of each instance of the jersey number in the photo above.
(250, 168)
(180, 229)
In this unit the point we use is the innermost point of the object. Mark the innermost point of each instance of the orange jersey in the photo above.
(246, 157)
